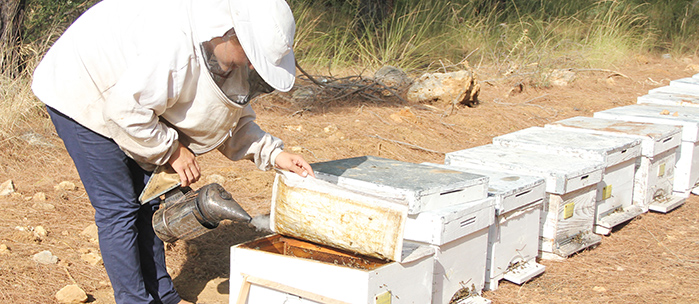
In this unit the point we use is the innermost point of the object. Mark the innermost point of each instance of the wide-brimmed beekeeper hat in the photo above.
(265, 29)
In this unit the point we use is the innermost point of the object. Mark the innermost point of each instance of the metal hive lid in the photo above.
(396, 174)
(585, 145)
(687, 117)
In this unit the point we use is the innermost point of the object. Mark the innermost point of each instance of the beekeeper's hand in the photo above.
(294, 163)
(186, 166)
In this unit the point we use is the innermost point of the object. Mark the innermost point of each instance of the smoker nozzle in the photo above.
(215, 204)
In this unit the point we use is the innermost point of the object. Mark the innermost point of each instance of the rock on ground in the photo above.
(7, 188)
(71, 294)
(45, 257)
(451, 88)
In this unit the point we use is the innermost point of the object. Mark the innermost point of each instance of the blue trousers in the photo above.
(133, 255)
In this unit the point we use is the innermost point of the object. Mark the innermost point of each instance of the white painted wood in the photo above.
(615, 192)
(619, 206)
(669, 99)
(571, 183)
(406, 282)
(420, 187)
(610, 150)
(524, 272)
(460, 263)
(514, 246)
(563, 234)
(654, 169)
(511, 190)
(562, 173)
(514, 237)
(674, 90)
(440, 226)
(655, 138)
(688, 83)
(687, 166)
(696, 76)
(474, 300)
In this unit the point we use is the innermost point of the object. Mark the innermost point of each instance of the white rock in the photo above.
(90, 231)
(7, 188)
(215, 178)
(92, 258)
(65, 185)
(43, 206)
(330, 129)
(71, 294)
(561, 77)
(455, 87)
(45, 257)
(39, 197)
(40, 231)
(4, 249)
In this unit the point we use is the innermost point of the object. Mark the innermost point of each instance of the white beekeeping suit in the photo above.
(134, 71)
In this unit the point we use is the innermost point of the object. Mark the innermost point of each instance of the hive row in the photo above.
(375, 230)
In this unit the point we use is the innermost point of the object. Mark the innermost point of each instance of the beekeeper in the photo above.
(133, 84)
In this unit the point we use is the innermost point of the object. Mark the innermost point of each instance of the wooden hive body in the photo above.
(514, 237)
(279, 269)
(687, 163)
(615, 192)
(569, 205)
(654, 169)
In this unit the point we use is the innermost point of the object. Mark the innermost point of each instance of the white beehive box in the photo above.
(689, 83)
(615, 192)
(419, 187)
(571, 184)
(670, 99)
(687, 165)
(654, 169)
(278, 269)
(513, 240)
(674, 90)
(459, 236)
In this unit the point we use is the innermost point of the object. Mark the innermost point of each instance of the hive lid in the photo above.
(675, 90)
(687, 117)
(419, 186)
(557, 170)
(667, 136)
(502, 184)
(324, 213)
(669, 99)
(688, 83)
(559, 141)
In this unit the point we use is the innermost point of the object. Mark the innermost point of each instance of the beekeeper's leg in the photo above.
(133, 256)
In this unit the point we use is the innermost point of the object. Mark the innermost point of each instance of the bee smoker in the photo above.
(186, 214)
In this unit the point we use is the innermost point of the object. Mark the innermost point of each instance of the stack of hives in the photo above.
(374, 230)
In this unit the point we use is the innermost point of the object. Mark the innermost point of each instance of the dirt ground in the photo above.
(652, 259)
